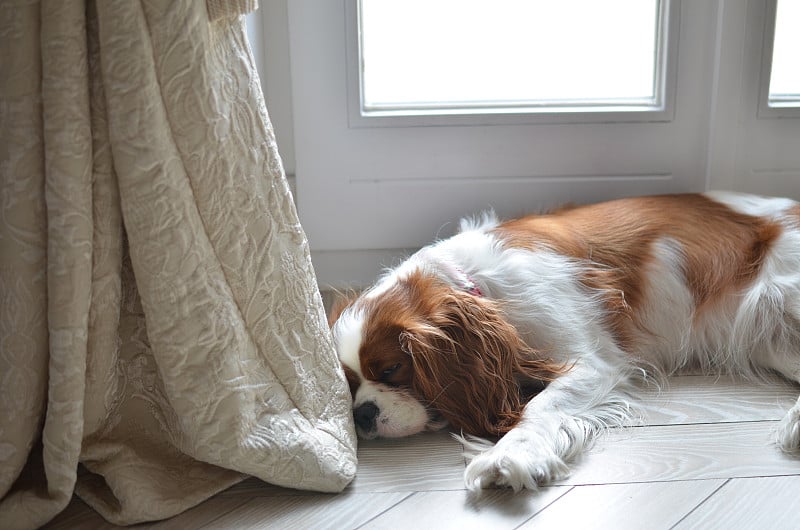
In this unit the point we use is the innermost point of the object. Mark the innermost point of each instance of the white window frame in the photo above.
(659, 110)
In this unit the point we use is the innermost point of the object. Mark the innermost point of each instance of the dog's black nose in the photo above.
(365, 416)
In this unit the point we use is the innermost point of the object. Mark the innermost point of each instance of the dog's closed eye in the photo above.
(390, 371)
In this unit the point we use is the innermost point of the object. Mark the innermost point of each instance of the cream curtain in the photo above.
(161, 329)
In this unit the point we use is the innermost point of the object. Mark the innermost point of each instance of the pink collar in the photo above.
(452, 272)
(468, 284)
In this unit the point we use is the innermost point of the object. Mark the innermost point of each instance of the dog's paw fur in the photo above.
(788, 433)
(516, 462)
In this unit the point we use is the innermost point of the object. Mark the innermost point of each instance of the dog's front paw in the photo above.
(789, 431)
(514, 462)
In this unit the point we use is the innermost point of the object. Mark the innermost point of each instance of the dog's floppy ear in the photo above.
(468, 362)
(341, 302)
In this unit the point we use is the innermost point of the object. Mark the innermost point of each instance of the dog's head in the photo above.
(420, 352)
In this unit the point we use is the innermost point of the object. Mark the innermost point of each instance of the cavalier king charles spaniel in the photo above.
(540, 331)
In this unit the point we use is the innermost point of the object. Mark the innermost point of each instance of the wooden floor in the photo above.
(704, 458)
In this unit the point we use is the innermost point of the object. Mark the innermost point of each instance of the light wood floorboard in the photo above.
(685, 452)
(750, 503)
(702, 456)
(443, 510)
(626, 506)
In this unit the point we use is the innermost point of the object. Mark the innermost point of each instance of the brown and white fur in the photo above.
(540, 330)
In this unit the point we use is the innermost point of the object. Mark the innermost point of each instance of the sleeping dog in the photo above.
(539, 330)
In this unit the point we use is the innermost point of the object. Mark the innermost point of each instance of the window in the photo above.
(784, 82)
(510, 56)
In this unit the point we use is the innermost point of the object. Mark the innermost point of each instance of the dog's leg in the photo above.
(788, 435)
(789, 427)
(777, 301)
(556, 426)
(788, 432)
(785, 359)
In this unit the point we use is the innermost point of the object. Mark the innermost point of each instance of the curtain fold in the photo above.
(162, 333)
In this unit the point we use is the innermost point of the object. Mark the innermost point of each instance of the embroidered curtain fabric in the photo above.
(161, 329)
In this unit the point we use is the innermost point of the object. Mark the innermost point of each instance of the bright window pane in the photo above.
(508, 53)
(784, 85)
